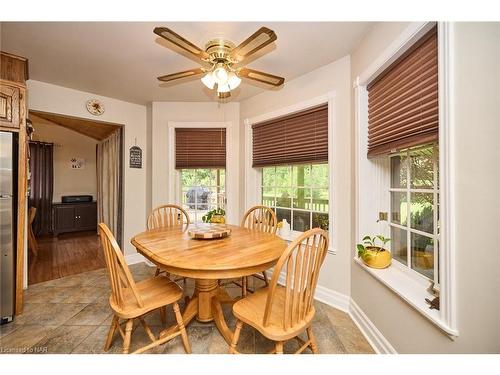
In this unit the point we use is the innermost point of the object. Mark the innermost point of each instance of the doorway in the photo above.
(75, 181)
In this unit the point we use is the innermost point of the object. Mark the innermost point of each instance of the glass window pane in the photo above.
(399, 245)
(283, 197)
(188, 177)
(302, 198)
(205, 177)
(320, 200)
(268, 174)
(301, 221)
(191, 212)
(399, 208)
(320, 220)
(422, 168)
(283, 176)
(190, 197)
(398, 172)
(319, 175)
(284, 214)
(184, 197)
(422, 212)
(301, 175)
(268, 198)
(422, 255)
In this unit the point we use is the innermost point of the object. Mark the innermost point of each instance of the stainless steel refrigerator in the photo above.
(8, 158)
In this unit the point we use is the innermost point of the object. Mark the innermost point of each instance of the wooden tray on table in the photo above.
(208, 231)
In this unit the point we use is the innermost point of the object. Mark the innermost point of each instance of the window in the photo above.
(297, 193)
(414, 221)
(202, 190)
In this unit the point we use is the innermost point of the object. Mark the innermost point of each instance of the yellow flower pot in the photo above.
(376, 259)
(218, 219)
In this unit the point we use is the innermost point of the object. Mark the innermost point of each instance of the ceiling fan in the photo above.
(222, 62)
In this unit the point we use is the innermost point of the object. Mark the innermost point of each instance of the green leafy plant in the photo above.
(371, 242)
(208, 216)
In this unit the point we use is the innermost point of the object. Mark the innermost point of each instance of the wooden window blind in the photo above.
(297, 138)
(403, 100)
(200, 148)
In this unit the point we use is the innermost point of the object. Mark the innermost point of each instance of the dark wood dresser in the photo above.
(74, 217)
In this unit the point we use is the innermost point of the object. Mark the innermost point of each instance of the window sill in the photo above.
(410, 291)
(293, 234)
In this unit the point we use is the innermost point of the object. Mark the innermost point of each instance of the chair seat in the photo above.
(251, 310)
(155, 292)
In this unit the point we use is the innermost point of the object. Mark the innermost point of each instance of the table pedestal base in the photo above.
(205, 306)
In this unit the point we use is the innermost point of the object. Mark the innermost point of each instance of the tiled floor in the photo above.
(71, 315)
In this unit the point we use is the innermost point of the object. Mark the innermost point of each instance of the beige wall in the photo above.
(56, 99)
(475, 85)
(334, 77)
(69, 144)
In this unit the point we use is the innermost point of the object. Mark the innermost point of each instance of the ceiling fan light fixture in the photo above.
(220, 75)
(208, 80)
(223, 88)
(233, 80)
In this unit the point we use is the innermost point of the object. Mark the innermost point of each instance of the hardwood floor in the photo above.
(66, 255)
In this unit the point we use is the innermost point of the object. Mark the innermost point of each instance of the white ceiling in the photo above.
(123, 59)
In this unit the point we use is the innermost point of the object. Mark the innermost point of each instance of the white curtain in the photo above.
(109, 183)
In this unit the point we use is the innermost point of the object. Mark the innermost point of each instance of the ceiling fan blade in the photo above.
(179, 41)
(252, 44)
(261, 77)
(179, 75)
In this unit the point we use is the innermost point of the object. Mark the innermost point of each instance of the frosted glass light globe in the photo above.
(220, 75)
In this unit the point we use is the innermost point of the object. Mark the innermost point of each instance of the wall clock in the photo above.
(95, 107)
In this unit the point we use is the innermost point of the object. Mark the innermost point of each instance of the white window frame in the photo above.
(434, 190)
(196, 196)
(295, 233)
(253, 176)
(398, 279)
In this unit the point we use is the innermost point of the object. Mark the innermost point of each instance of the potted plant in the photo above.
(373, 255)
(215, 216)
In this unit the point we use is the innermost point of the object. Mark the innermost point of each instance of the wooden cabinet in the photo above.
(74, 217)
(9, 106)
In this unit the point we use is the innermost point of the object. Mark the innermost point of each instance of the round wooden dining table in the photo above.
(243, 253)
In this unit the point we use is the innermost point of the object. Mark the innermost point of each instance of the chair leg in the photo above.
(236, 337)
(265, 278)
(128, 334)
(182, 329)
(111, 333)
(314, 345)
(158, 270)
(163, 315)
(244, 286)
(279, 347)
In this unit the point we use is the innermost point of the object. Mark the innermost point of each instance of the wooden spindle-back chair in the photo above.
(168, 215)
(130, 300)
(283, 312)
(263, 219)
(260, 218)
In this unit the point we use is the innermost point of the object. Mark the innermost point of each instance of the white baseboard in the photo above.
(326, 295)
(134, 258)
(374, 337)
